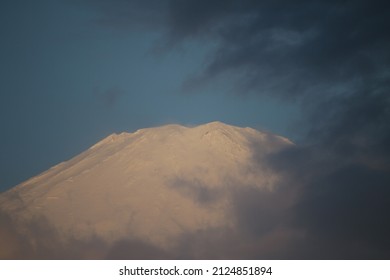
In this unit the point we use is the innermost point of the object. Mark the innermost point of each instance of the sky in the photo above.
(317, 72)
(73, 72)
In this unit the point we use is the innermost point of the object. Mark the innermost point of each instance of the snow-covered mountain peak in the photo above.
(111, 138)
(154, 184)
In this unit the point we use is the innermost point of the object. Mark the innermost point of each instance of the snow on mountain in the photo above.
(153, 185)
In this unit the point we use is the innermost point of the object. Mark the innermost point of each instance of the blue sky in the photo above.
(68, 80)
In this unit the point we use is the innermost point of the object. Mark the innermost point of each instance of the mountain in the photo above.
(140, 194)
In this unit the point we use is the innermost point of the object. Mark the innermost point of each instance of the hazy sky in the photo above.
(318, 72)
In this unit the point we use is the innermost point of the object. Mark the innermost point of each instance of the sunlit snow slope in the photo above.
(153, 185)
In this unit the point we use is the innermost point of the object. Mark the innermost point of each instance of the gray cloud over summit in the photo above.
(333, 58)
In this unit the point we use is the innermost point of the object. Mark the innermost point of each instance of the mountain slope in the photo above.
(154, 185)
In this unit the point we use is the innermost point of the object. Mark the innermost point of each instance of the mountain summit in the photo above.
(154, 186)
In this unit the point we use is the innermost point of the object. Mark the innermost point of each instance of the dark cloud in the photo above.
(285, 48)
(259, 212)
(338, 203)
(333, 57)
(289, 47)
